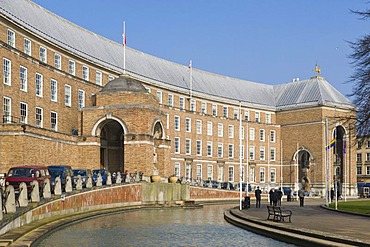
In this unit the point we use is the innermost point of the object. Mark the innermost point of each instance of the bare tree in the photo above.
(361, 78)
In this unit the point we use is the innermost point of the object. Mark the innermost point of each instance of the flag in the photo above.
(124, 34)
(190, 65)
(331, 144)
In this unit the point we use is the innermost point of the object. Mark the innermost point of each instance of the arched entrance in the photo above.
(304, 166)
(338, 154)
(111, 146)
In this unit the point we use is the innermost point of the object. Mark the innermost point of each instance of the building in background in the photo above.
(70, 96)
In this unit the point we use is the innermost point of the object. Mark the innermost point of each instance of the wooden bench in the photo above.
(278, 214)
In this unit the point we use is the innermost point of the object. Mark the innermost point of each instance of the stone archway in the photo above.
(338, 154)
(111, 146)
(304, 167)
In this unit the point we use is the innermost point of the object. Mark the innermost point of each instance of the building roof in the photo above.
(165, 73)
(123, 83)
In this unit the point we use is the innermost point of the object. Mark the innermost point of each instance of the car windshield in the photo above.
(21, 172)
(55, 172)
(79, 172)
(95, 172)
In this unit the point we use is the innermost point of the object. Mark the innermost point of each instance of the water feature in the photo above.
(158, 227)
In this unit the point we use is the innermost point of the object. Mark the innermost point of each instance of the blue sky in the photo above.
(264, 41)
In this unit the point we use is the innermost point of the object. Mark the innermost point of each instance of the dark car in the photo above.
(103, 173)
(83, 173)
(213, 182)
(27, 174)
(62, 171)
(244, 185)
(227, 185)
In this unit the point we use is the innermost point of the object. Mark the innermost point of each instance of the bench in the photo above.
(278, 214)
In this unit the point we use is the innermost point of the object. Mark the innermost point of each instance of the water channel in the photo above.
(158, 227)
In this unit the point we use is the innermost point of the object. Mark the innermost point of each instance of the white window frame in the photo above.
(230, 151)
(81, 98)
(176, 170)
(220, 150)
(262, 135)
(262, 153)
(170, 100)
(257, 116)
(23, 78)
(7, 71)
(182, 103)
(231, 174)
(159, 96)
(11, 38)
(177, 145)
(53, 90)
(204, 108)
(241, 151)
(199, 171)
(251, 134)
(193, 105)
(242, 132)
(39, 117)
(214, 110)
(85, 72)
(236, 113)
(39, 82)
(210, 172)
(273, 175)
(225, 111)
(188, 146)
(52, 126)
(98, 78)
(23, 112)
(199, 127)
(220, 130)
(262, 175)
(252, 153)
(67, 95)
(43, 54)
(273, 154)
(177, 123)
(209, 148)
(268, 118)
(246, 115)
(7, 109)
(27, 46)
(199, 147)
(209, 128)
(252, 175)
(72, 67)
(231, 131)
(272, 136)
(188, 125)
(57, 61)
(111, 77)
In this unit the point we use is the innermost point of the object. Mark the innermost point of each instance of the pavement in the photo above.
(312, 220)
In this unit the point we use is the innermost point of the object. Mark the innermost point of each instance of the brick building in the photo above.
(67, 99)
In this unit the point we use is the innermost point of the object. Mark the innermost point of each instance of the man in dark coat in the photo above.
(257, 194)
(271, 192)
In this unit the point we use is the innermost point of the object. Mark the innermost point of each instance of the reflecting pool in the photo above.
(158, 227)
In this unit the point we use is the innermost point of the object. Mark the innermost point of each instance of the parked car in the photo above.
(62, 171)
(27, 174)
(103, 173)
(83, 173)
(213, 182)
(244, 185)
(227, 185)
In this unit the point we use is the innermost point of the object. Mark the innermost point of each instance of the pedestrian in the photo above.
(275, 197)
(280, 195)
(301, 197)
(257, 194)
(332, 193)
(271, 192)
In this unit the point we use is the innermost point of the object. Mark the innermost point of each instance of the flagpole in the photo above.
(281, 164)
(326, 163)
(191, 78)
(240, 157)
(124, 46)
(296, 186)
(344, 165)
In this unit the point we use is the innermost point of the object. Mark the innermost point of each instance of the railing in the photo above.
(7, 119)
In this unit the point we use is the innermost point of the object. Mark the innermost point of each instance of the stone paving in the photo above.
(312, 217)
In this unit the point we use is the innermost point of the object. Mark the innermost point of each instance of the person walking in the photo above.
(257, 194)
(275, 197)
(301, 197)
(280, 196)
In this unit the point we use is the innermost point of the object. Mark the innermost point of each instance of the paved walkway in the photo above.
(313, 218)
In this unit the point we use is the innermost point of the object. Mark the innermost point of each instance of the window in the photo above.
(199, 147)
(251, 134)
(252, 175)
(43, 55)
(210, 172)
(23, 112)
(187, 171)
(262, 153)
(359, 170)
(39, 84)
(53, 90)
(231, 131)
(188, 124)
(7, 72)
(81, 99)
(236, 113)
(209, 128)
(359, 158)
(11, 38)
(85, 73)
(272, 135)
(98, 77)
(268, 118)
(177, 145)
(246, 115)
(367, 156)
(220, 130)
(57, 61)
(177, 123)
(368, 144)
(53, 120)
(27, 47)
(38, 117)
(241, 151)
(262, 174)
(72, 67)
(159, 96)
(214, 110)
(177, 169)
(262, 135)
(231, 174)
(273, 175)
(272, 154)
(170, 100)
(209, 149)
(251, 152)
(242, 132)
(188, 146)
(220, 173)
(181, 103)
(359, 144)
(67, 95)
(111, 78)
(199, 127)
(23, 78)
(204, 107)
(7, 110)
(199, 171)
(257, 117)
(193, 105)
(147, 89)
(220, 150)
(367, 170)
(225, 112)
(231, 151)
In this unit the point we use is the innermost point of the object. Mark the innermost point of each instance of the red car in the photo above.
(27, 174)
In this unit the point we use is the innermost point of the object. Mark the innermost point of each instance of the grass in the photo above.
(362, 206)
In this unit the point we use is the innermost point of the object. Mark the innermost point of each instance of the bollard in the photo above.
(99, 180)
(68, 185)
(79, 183)
(46, 192)
(118, 179)
(35, 193)
(109, 179)
(23, 195)
(57, 186)
(10, 199)
(89, 183)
